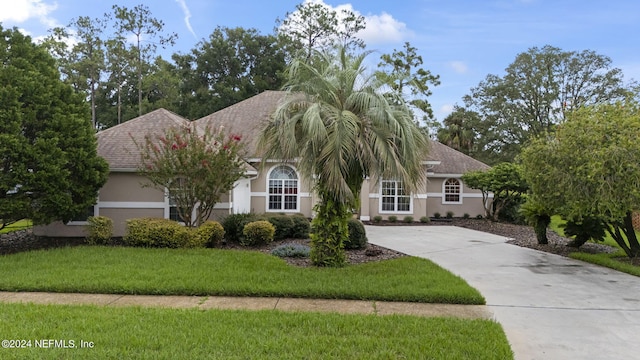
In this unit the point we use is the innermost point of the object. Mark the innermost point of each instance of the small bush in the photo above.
(479, 217)
(466, 216)
(209, 234)
(450, 214)
(301, 227)
(152, 232)
(283, 225)
(377, 219)
(408, 219)
(257, 233)
(357, 235)
(437, 215)
(234, 224)
(100, 230)
(393, 218)
(291, 250)
(425, 220)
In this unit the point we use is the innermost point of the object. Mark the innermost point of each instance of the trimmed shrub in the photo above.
(425, 220)
(153, 232)
(357, 235)
(234, 224)
(301, 227)
(408, 219)
(377, 219)
(479, 217)
(392, 218)
(209, 234)
(437, 215)
(100, 230)
(450, 214)
(257, 233)
(292, 250)
(466, 216)
(283, 225)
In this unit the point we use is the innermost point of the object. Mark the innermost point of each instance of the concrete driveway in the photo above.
(549, 306)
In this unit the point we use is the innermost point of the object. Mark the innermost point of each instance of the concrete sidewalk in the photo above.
(253, 303)
(550, 307)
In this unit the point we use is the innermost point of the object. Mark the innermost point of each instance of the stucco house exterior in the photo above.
(270, 186)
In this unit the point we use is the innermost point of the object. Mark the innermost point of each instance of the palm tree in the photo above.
(340, 129)
(458, 130)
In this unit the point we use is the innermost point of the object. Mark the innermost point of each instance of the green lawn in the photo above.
(20, 225)
(151, 333)
(121, 270)
(618, 261)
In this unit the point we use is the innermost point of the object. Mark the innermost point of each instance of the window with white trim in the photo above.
(394, 197)
(452, 190)
(84, 216)
(283, 189)
(173, 210)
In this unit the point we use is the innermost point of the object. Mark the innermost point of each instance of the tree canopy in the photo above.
(589, 168)
(49, 168)
(539, 88)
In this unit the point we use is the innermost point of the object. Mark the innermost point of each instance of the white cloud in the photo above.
(446, 108)
(458, 66)
(383, 29)
(19, 11)
(380, 28)
(187, 16)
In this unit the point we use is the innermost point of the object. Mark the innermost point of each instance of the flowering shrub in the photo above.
(196, 165)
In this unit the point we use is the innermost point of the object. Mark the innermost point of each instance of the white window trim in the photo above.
(298, 195)
(444, 194)
(380, 211)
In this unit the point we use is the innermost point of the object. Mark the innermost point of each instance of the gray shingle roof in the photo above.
(452, 161)
(246, 118)
(116, 144)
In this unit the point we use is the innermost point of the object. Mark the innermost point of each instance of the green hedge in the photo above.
(165, 233)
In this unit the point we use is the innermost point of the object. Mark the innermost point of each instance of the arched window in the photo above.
(283, 189)
(452, 191)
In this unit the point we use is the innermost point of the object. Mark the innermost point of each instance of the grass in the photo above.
(19, 225)
(151, 333)
(617, 261)
(120, 270)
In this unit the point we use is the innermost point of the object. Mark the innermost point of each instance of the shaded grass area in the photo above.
(151, 333)
(120, 270)
(20, 225)
(617, 261)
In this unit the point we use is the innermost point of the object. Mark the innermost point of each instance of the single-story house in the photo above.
(275, 187)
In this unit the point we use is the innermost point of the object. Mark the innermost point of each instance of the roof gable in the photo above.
(452, 161)
(247, 118)
(115, 144)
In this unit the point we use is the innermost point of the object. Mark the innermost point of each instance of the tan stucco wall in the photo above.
(59, 229)
(425, 202)
(128, 187)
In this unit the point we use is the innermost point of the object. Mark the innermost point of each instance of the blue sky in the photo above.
(461, 40)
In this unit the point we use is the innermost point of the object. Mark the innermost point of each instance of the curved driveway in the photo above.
(550, 307)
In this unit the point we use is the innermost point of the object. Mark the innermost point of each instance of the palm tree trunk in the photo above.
(329, 231)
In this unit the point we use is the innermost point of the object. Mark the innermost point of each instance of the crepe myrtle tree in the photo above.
(196, 166)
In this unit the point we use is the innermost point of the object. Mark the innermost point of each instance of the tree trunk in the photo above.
(540, 228)
(329, 231)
